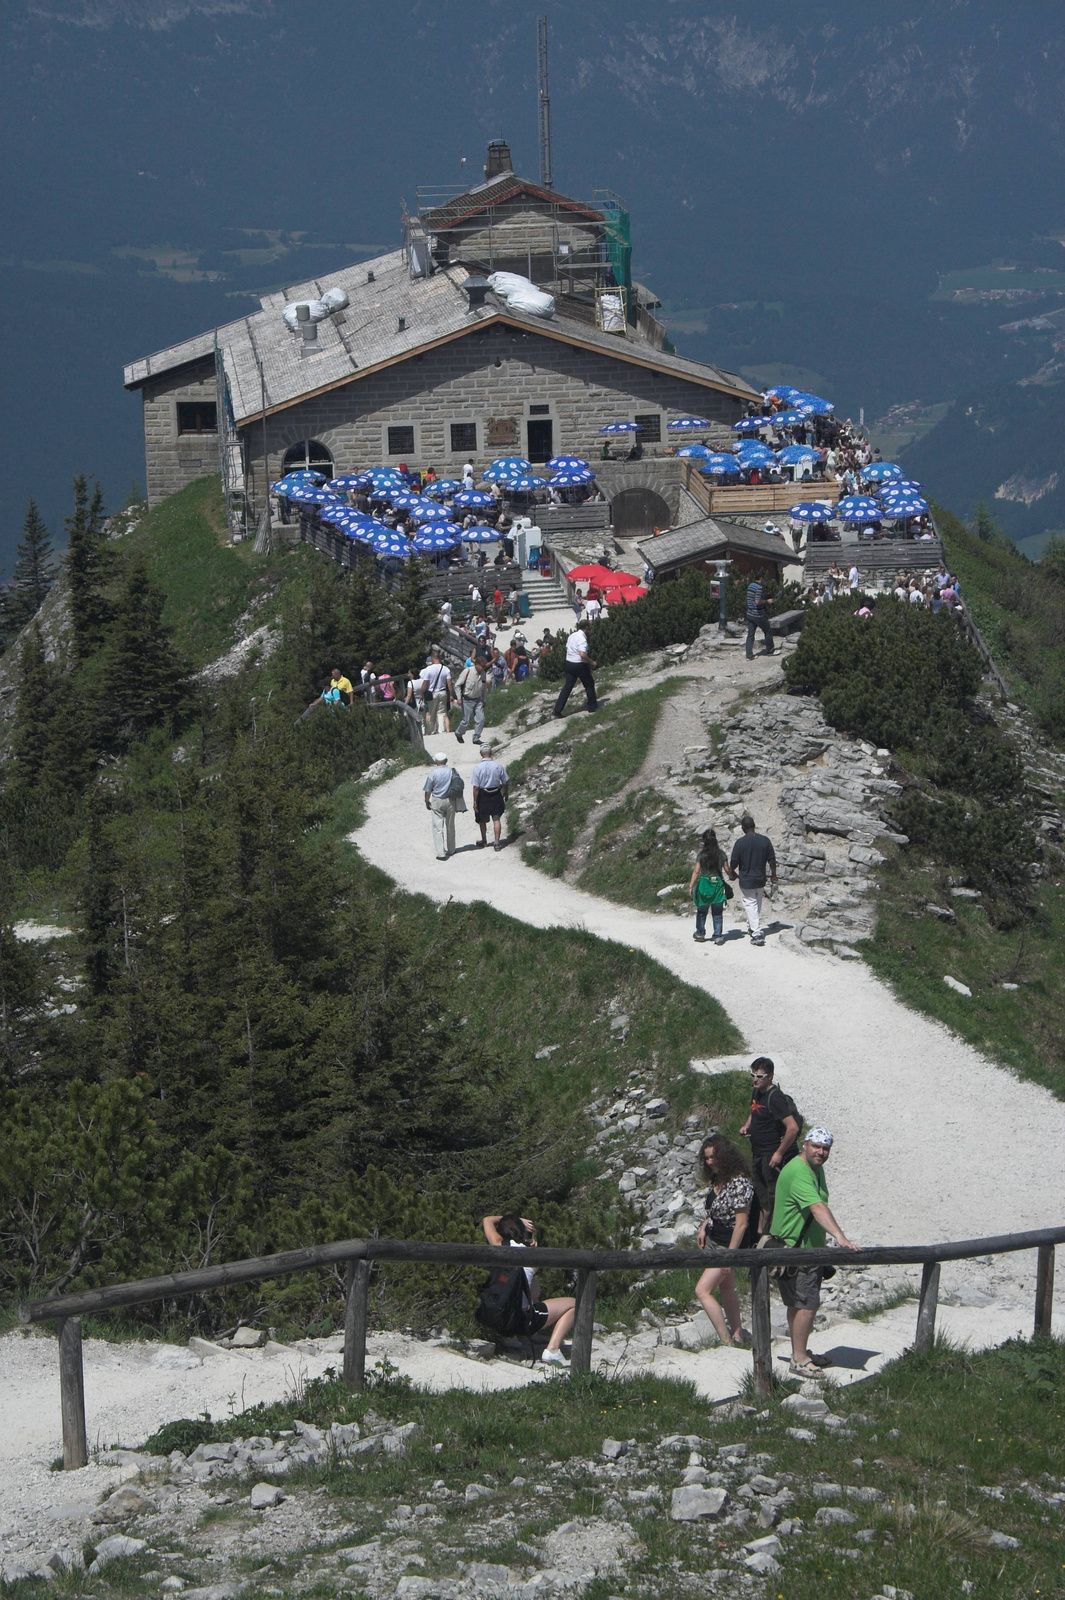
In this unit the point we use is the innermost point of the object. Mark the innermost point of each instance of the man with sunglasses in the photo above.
(773, 1128)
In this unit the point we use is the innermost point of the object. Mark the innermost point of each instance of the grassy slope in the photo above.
(209, 583)
(925, 1433)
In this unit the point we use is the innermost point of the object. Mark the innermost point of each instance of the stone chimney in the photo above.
(498, 159)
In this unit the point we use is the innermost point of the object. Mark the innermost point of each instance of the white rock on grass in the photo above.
(125, 1502)
(264, 1495)
(829, 1516)
(762, 1563)
(959, 988)
(801, 1435)
(613, 1449)
(477, 1491)
(691, 1502)
(806, 1405)
(119, 1544)
(1003, 1541)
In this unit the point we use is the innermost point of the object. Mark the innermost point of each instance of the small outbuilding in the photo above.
(699, 544)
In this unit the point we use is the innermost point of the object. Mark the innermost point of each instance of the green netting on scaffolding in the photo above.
(619, 250)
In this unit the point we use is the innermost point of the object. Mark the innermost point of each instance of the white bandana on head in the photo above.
(818, 1136)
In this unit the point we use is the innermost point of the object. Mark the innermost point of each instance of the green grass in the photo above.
(632, 859)
(605, 750)
(928, 1433)
(913, 951)
(210, 583)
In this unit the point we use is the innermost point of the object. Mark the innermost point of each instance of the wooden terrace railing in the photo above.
(358, 1255)
(743, 499)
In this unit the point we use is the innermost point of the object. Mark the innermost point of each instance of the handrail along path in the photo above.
(358, 1255)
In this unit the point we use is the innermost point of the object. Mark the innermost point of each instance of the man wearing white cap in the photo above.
(443, 797)
(801, 1219)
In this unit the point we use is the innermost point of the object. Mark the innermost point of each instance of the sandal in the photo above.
(804, 1369)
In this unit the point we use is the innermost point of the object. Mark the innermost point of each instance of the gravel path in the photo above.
(923, 1121)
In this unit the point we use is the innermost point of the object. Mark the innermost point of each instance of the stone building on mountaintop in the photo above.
(424, 363)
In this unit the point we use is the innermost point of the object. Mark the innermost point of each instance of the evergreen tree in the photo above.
(33, 576)
(414, 616)
(87, 568)
(37, 700)
(144, 678)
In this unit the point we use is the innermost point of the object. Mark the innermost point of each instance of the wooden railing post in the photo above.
(761, 1333)
(926, 1309)
(72, 1394)
(1044, 1291)
(581, 1338)
(355, 1310)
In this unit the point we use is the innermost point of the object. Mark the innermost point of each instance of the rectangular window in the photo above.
(651, 427)
(539, 411)
(463, 438)
(197, 416)
(401, 440)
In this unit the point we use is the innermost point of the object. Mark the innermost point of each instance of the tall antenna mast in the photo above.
(544, 103)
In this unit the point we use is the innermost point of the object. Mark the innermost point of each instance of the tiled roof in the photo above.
(707, 540)
(507, 186)
(266, 370)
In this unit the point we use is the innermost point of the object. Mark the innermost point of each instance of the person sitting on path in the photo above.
(707, 887)
(472, 688)
(578, 665)
(443, 798)
(556, 1314)
(772, 1126)
(335, 689)
(758, 617)
(750, 857)
(491, 787)
(728, 1206)
(801, 1219)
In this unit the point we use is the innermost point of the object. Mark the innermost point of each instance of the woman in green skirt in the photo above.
(707, 887)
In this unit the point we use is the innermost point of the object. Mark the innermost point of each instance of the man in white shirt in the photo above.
(578, 665)
(442, 804)
(467, 475)
(852, 580)
(491, 786)
(436, 693)
(592, 608)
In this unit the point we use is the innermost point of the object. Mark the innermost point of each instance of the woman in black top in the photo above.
(728, 1206)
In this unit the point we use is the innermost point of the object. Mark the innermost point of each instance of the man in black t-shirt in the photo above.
(751, 855)
(772, 1127)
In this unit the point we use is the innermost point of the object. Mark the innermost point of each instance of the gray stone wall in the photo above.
(492, 378)
(172, 460)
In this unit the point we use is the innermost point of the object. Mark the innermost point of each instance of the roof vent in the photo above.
(476, 289)
(401, 324)
(498, 159)
(370, 278)
(308, 329)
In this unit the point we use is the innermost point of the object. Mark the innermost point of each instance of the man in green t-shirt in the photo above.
(801, 1219)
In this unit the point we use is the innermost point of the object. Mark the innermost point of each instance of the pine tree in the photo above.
(87, 567)
(144, 679)
(37, 700)
(414, 615)
(33, 575)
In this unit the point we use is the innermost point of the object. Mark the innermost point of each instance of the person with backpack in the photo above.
(708, 888)
(729, 1200)
(472, 689)
(773, 1126)
(758, 618)
(510, 1304)
(436, 694)
(443, 797)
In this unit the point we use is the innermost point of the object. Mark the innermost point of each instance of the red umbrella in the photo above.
(593, 572)
(624, 580)
(617, 597)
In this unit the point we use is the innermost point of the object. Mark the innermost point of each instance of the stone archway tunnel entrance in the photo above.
(637, 512)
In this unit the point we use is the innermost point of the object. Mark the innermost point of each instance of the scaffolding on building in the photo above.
(230, 453)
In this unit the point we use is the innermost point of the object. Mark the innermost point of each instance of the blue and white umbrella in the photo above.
(696, 450)
(525, 484)
(403, 499)
(792, 454)
(788, 419)
(725, 466)
(899, 508)
(304, 475)
(349, 480)
(426, 541)
(425, 511)
(441, 529)
(508, 462)
(751, 424)
(902, 485)
(304, 494)
(812, 405)
(442, 487)
(812, 511)
(755, 455)
(474, 499)
(572, 477)
(621, 427)
(859, 508)
(689, 424)
(564, 463)
(877, 471)
(895, 489)
(480, 535)
(782, 391)
(392, 547)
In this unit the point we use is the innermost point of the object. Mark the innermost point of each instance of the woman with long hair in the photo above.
(707, 887)
(728, 1207)
(537, 1314)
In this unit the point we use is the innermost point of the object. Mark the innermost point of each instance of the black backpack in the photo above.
(790, 1110)
(501, 1299)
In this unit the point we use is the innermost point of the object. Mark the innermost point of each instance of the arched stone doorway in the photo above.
(637, 512)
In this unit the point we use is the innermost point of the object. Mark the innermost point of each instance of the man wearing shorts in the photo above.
(555, 1314)
(491, 786)
(800, 1219)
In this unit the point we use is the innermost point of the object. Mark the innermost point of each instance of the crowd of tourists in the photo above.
(776, 1196)
(941, 591)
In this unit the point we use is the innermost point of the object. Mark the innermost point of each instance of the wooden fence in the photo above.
(725, 500)
(359, 1254)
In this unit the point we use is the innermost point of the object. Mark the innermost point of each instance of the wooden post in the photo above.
(581, 1338)
(358, 1286)
(72, 1394)
(1044, 1291)
(761, 1333)
(926, 1309)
